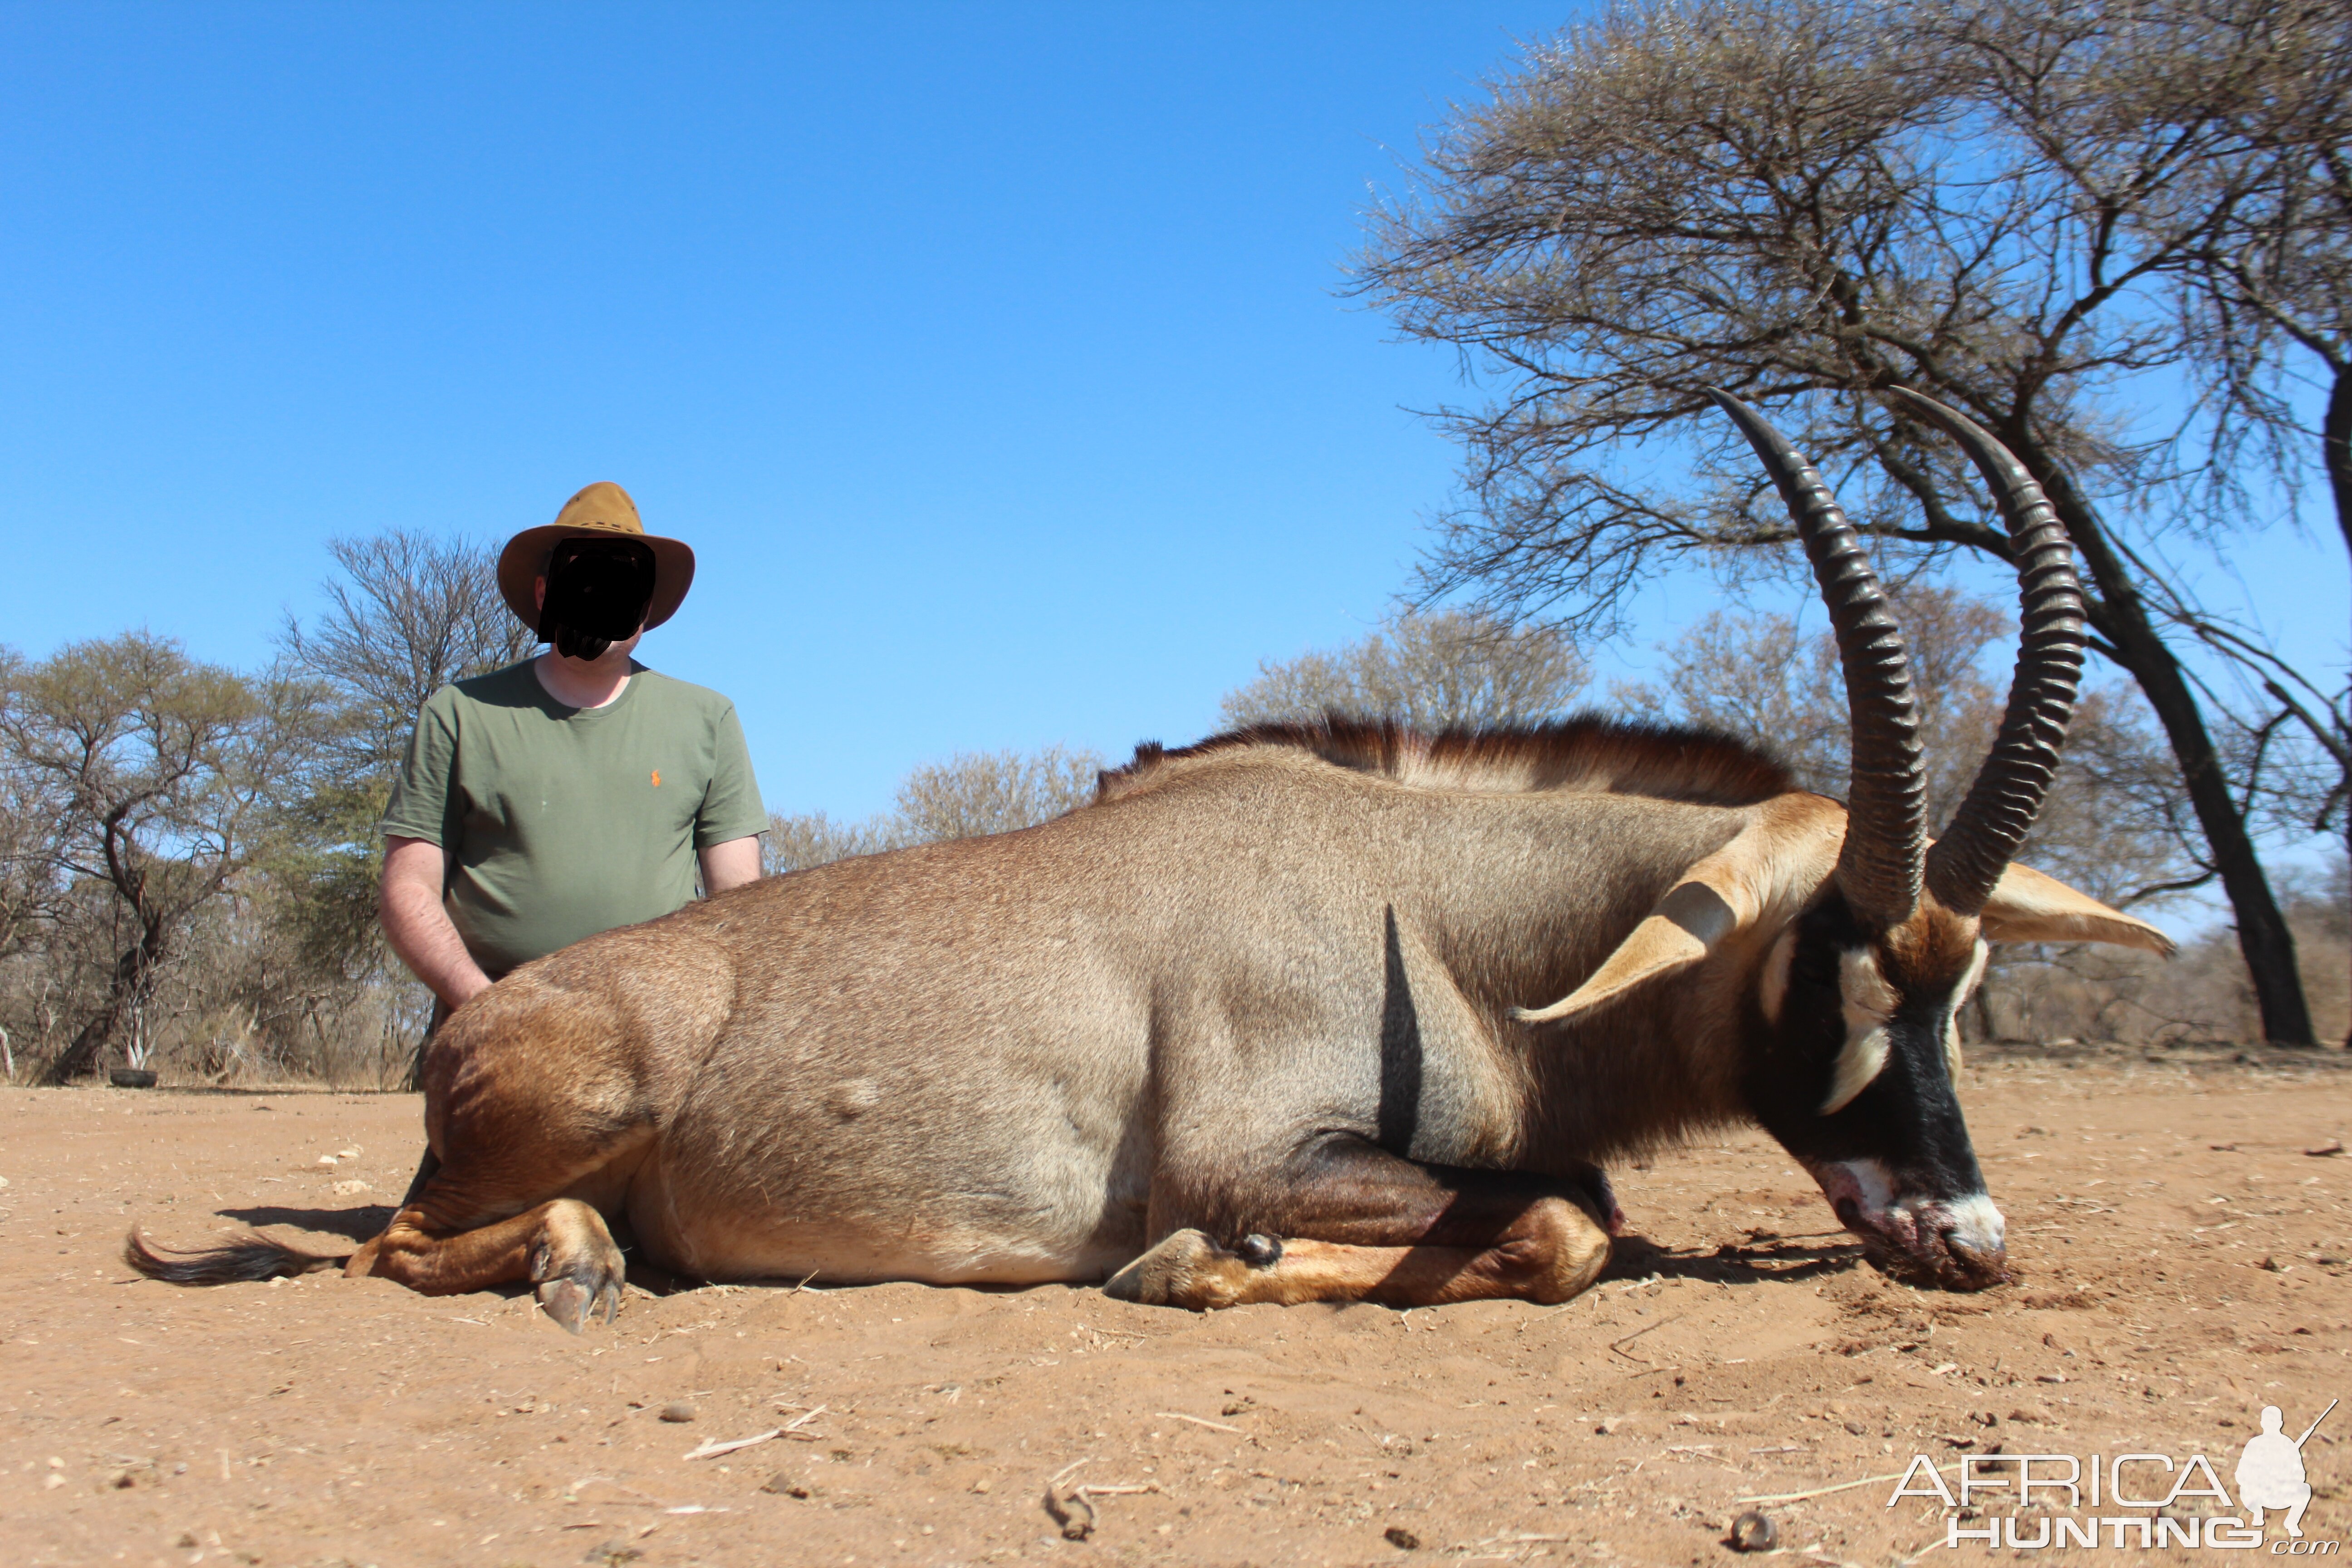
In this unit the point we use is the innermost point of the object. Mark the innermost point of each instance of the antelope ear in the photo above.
(1680, 930)
(1773, 866)
(2027, 906)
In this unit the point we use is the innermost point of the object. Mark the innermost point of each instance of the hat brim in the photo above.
(524, 561)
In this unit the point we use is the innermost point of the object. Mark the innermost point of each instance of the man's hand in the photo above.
(417, 926)
(731, 865)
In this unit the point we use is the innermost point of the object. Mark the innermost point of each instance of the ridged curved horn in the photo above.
(1967, 860)
(1878, 866)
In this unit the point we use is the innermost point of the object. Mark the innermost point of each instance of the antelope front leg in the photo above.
(1353, 1223)
(1557, 1253)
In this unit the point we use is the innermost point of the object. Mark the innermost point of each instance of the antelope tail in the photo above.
(246, 1259)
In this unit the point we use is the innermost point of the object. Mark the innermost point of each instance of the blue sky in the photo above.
(990, 357)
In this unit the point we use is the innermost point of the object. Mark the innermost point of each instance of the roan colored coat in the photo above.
(1266, 1022)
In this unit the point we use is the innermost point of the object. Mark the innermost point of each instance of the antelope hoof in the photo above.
(1187, 1270)
(575, 1295)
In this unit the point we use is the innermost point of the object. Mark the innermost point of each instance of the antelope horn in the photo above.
(1965, 863)
(1878, 867)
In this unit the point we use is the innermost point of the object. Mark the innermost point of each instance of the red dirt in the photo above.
(2180, 1261)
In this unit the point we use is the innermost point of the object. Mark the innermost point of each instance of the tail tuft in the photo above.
(246, 1261)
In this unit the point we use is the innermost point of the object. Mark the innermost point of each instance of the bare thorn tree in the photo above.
(993, 791)
(409, 614)
(795, 843)
(169, 774)
(1809, 200)
(969, 794)
(1431, 669)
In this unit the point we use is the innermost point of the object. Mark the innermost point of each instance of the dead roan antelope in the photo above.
(1274, 1018)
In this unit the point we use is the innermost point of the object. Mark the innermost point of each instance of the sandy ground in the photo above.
(2181, 1262)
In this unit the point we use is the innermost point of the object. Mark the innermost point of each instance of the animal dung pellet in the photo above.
(1754, 1532)
(680, 1411)
(1403, 1540)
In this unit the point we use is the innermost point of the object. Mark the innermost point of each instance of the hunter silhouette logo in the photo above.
(2270, 1472)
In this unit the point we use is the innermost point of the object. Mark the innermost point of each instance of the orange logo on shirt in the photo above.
(656, 778)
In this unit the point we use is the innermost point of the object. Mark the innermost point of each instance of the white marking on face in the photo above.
(1867, 1182)
(1960, 1000)
(1869, 1002)
(1937, 1232)
(1976, 1224)
(1776, 975)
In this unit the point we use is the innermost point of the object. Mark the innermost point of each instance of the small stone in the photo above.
(187, 1541)
(54, 1479)
(1754, 1532)
(981, 1485)
(2321, 1151)
(1403, 1540)
(783, 1485)
(681, 1411)
(121, 1480)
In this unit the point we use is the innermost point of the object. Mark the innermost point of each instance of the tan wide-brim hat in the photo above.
(601, 511)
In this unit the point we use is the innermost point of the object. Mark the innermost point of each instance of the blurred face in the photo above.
(595, 595)
(619, 650)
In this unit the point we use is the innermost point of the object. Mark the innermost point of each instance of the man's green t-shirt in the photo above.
(563, 822)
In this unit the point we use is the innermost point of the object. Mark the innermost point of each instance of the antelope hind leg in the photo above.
(534, 1102)
(1552, 1253)
(562, 1246)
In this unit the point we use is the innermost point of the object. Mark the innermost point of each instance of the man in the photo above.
(574, 792)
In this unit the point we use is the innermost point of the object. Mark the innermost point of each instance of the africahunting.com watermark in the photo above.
(2027, 1502)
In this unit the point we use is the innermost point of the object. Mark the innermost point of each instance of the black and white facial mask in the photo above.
(597, 591)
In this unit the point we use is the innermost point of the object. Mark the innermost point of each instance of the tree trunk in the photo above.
(82, 1056)
(2262, 934)
(2335, 449)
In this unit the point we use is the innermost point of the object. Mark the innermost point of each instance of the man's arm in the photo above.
(727, 865)
(417, 926)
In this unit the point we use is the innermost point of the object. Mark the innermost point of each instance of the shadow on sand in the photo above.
(1763, 1257)
(360, 1224)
